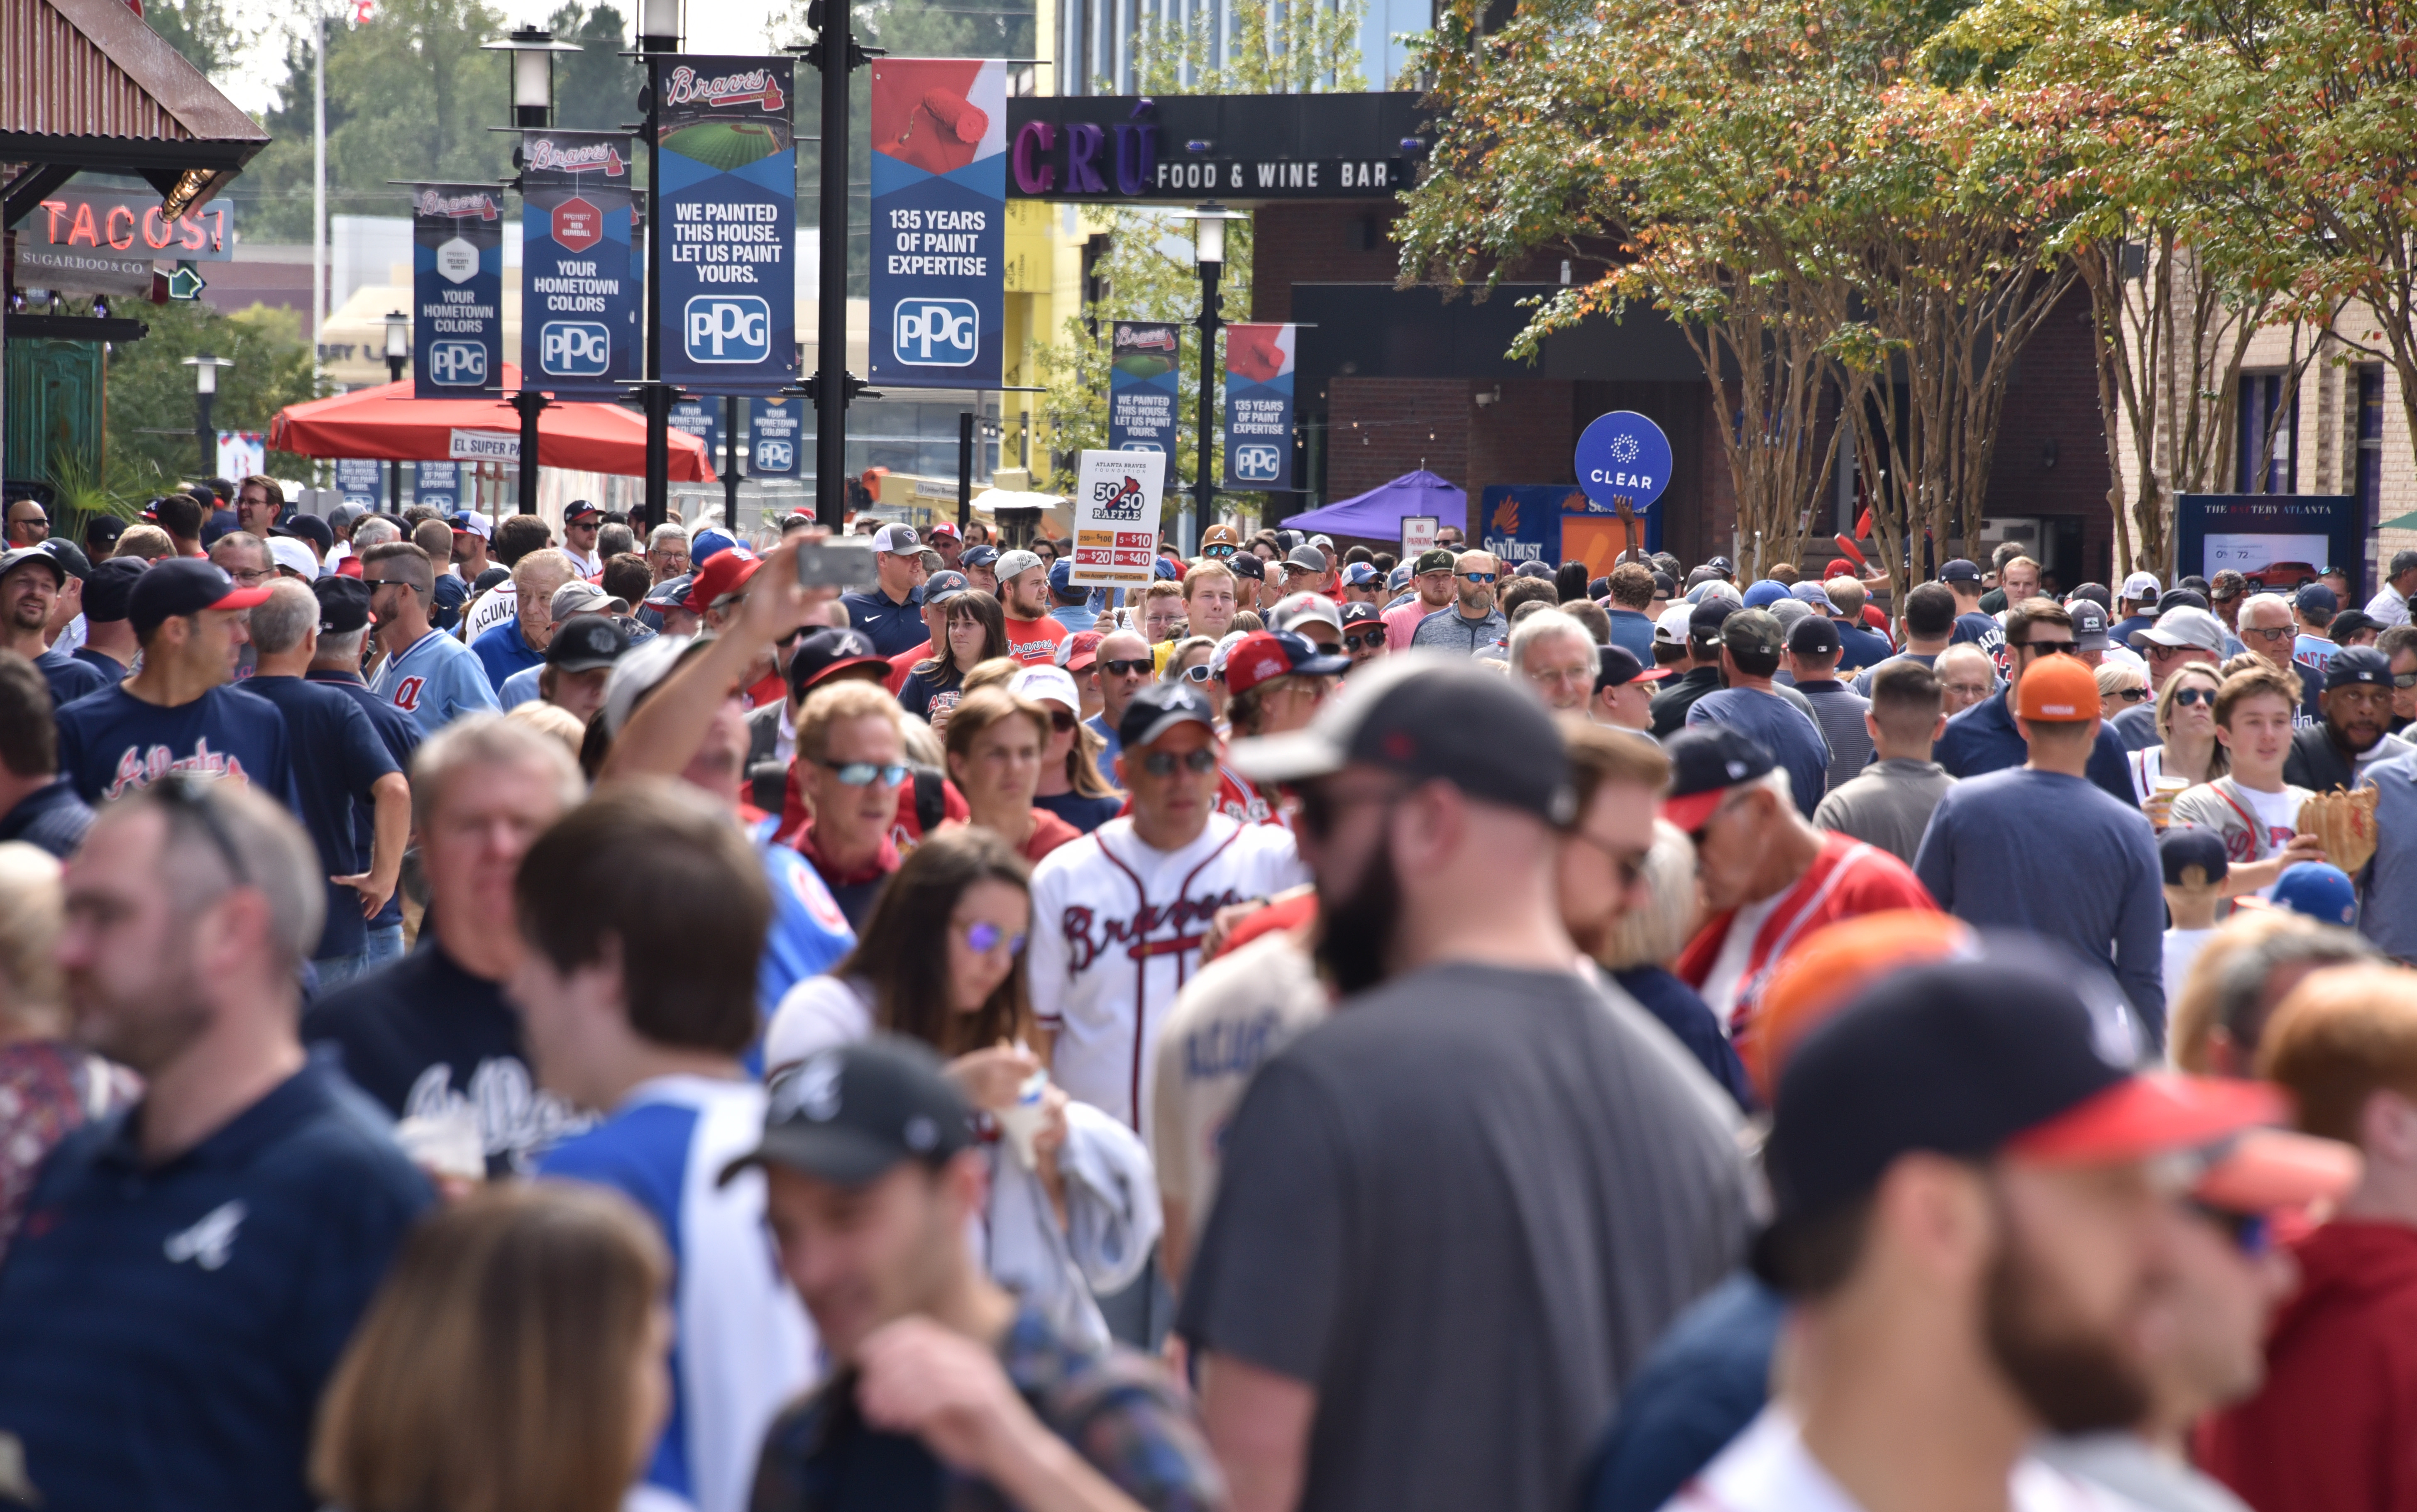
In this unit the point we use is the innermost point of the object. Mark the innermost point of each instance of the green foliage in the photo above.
(201, 30)
(1269, 50)
(151, 398)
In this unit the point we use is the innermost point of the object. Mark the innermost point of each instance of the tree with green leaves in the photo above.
(151, 442)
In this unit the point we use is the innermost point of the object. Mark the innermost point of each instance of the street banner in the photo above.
(457, 290)
(1115, 508)
(1258, 406)
(580, 307)
(700, 419)
(1622, 458)
(361, 481)
(438, 485)
(1522, 523)
(485, 447)
(729, 203)
(242, 453)
(939, 222)
(772, 436)
(1143, 357)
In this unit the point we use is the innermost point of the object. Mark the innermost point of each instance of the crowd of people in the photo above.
(489, 1021)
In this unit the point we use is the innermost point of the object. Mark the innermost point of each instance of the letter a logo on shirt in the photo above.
(406, 694)
(209, 1241)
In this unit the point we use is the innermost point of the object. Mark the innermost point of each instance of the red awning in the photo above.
(387, 424)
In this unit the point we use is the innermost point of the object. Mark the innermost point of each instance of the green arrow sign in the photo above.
(185, 283)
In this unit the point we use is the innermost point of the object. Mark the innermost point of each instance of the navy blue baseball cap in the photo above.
(2315, 598)
(1706, 762)
(1960, 570)
(1705, 624)
(1160, 707)
(850, 1113)
(942, 587)
(671, 593)
(185, 585)
(2355, 664)
(107, 592)
(343, 604)
(2184, 846)
(974, 556)
(1616, 666)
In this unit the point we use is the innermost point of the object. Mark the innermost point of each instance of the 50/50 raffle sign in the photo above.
(729, 207)
(1117, 499)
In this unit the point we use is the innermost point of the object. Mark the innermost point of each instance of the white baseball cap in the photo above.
(1304, 606)
(1054, 685)
(293, 556)
(1671, 629)
(2141, 587)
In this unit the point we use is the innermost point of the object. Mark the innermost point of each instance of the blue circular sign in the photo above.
(1623, 455)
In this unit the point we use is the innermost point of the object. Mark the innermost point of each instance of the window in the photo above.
(2261, 395)
(2370, 444)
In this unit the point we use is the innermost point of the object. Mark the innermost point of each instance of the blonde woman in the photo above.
(2188, 753)
(2121, 687)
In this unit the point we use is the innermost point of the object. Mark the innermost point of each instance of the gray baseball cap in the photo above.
(2195, 629)
(1015, 564)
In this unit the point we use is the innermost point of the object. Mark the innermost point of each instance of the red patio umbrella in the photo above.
(387, 424)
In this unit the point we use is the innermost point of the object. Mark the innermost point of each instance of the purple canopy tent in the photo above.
(1378, 514)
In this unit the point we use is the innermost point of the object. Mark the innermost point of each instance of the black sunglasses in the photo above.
(2050, 648)
(1060, 721)
(2185, 697)
(1373, 640)
(1127, 668)
(1163, 762)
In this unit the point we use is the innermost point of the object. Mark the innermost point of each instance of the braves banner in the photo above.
(772, 426)
(1258, 406)
(729, 203)
(457, 290)
(1143, 357)
(939, 221)
(579, 305)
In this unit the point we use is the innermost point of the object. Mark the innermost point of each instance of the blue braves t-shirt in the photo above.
(436, 680)
(113, 742)
(69, 679)
(341, 756)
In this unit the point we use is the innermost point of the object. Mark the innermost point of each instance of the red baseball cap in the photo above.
(1264, 656)
(723, 574)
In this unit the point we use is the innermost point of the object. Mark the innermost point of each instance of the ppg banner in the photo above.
(1258, 406)
(361, 482)
(1144, 357)
(939, 222)
(457, 290)
(700, 419)
(437, 485)
(772, 436)
(729, 203)
(579, 304)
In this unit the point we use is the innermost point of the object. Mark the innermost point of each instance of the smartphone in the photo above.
(840, 562)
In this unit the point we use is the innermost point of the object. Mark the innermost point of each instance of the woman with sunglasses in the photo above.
(1071, 785)
(976, 627)
(2121, 686)
(2189, 753)
(966, 892)
(1191, 662)
(995, 743)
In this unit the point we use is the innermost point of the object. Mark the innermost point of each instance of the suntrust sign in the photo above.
(1236, 147)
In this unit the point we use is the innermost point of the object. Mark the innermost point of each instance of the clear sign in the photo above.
(580, 307)
(1143, 357)
(457, 290)
(1623, 457)
(1258, 406)
(1116, 508)
(729, 203)
(939, 222)
(773, 432)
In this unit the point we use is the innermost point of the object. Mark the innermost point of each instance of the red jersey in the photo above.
(1034, 641)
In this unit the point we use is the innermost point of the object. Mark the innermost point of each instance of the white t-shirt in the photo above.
(2181, 948)
(1767, 1469)
(496, 605)
(2388, 608)
(1727, 974)
(819, 1014)
(1117, 929)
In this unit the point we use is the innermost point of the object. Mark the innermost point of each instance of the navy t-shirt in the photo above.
(1860, 648)
(113, 742)
(69, 679)
(1792, 739)
(1086, 814)
(401, 734)
(1979, 629)
(338, 758)
(170, 1326)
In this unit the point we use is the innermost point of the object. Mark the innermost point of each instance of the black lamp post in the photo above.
(658, 31)
(532, 50)
(206, 392)
(1209, 253)
(398, 353)
(832, 387)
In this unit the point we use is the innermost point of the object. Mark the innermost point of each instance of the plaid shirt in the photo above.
(1116, 1409)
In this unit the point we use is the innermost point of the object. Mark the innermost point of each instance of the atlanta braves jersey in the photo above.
(1116, 928)
(435, 680)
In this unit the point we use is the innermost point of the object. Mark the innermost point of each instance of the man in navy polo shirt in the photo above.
(177, 714)
(336, 662)
(1984, 738)
(188, 1270)
(892, 611)
(341, 772)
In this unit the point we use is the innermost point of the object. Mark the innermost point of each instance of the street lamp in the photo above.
(658, 31)
(1208, 254)
(206, 392)
(532, 48)
(397, 352)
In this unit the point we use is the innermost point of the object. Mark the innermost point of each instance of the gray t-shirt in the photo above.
(1839, 711)
(1446, 629)
(1460, 1209)
(1889, 804)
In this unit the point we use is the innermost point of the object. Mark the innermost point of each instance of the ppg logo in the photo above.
(1140, 446)
(574, 349)
(729, 327)
(1257, 464)
(937, 333)
(461, 364)
(775, 456)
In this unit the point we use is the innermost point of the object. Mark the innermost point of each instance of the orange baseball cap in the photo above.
(2057, 690)
(1828, 968)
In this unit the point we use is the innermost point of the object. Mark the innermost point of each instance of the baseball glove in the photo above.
(2345, 821)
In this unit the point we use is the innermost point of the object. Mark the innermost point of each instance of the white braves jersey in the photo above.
(1116, 928)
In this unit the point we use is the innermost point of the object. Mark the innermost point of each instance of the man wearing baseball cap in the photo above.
(1275, 682)
(1984, 737)
(1218, 542)
(1470, 622)
(980, 564)
(892, 610)
(1070, 604)
(1435, 797)
(178, 713)
(581, 520)
(2135, 607)
(1697, 669)
(1978, 1216)
(2180, 638)
(1752, 643)
(947, 1385)
(2002, 848)
(31, 581)
(1623, 690)
(2356, 730)
(1963, 580)
(471, 534)
(108, 640)
(1032, 632)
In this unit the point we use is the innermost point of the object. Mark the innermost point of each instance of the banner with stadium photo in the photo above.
(729, 206)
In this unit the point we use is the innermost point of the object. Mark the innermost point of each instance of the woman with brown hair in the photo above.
(976, 628)
(1074, 1204)
(995, 741)
(1071, 785)
(514, 1361)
